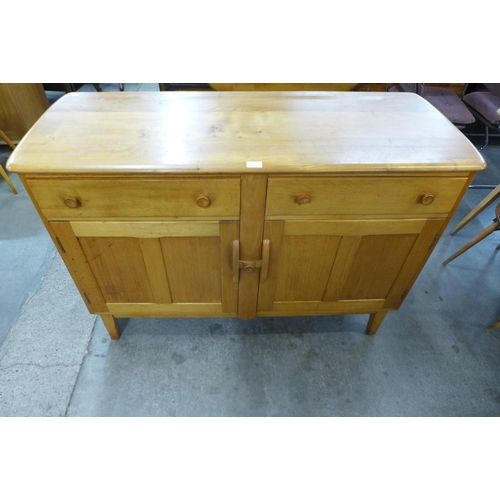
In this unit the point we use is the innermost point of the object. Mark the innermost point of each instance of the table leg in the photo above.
(111, 324)
(375, 321)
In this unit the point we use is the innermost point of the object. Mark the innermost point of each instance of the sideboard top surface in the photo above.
(219, 132)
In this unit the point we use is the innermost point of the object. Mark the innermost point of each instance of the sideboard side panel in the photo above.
(72, 254)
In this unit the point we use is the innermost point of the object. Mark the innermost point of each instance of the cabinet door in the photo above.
(159, 268)
(344, 266)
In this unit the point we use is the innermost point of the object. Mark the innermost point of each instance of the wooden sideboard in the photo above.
(207, 204)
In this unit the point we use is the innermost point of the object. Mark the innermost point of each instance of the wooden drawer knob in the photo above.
(427, 199)
(71, 202)
(203, 201)
(303, 199)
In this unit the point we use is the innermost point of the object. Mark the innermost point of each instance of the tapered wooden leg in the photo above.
(488, 200)
(495, 325)
(7, 180)
(375, 321)
(4, 138)
(474, 241)
(111, 324)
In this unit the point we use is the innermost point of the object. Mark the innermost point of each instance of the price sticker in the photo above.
(254, 164)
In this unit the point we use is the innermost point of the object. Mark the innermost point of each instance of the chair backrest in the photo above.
(485, 104)
(411, 87)
(493, 87)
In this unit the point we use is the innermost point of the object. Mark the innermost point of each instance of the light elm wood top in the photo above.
(218, 132)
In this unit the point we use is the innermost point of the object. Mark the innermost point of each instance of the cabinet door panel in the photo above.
(119, 268)
(165, 269)
(308, 261)
(321, 266)
(377, 262)
(193, 268)
(153, 258)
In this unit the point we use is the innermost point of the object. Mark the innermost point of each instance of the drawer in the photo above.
(297, 196)
(68, 198)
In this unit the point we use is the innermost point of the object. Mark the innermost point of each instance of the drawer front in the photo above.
(302, 196)
(68, 198)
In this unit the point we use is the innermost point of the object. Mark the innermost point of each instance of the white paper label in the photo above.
(254, 164)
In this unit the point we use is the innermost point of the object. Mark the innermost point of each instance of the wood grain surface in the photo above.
(218, 132)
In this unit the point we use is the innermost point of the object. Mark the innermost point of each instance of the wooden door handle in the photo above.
(236, 261)
(265, 260)
(249, 266)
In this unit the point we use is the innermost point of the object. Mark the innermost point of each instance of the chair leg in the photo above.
(486, 138)
(488, 200)
(9, 182)
(485, 232)
(495, 325)
(4, 138)
(122, 88)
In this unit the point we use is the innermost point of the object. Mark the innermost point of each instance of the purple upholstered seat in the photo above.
(485, 103)
(446, 101)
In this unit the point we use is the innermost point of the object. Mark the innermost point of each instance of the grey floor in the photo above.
(433, 357)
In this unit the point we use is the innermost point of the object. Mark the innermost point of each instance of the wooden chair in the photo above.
(484, 104)
(488, 200)
(485, 232)
(2, 171)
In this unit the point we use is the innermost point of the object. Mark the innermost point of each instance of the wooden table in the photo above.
(207, 204)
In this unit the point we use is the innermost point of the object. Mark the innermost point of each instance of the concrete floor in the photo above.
(433, 357)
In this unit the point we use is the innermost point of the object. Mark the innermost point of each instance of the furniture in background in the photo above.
(457, 88)
(486, 202)
(265, 87)
(73, 87)
(245, 204)
(62, 87)
(443, 99)
(484, 104)
(495, 226)
(494, 326)
(481, 236)
(488, 101)
(184, 86)
(3, 137)
(21, 105)
(283, 87)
